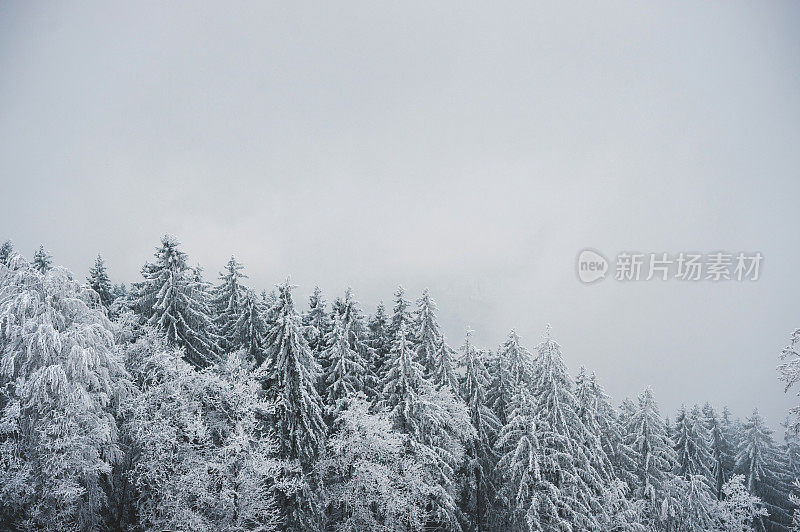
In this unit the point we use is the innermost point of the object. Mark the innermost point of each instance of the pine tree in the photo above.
(757, 458)
(652, 449)
(562, 434)
(444, 373)
(401, 315)
(478, 492)
(427, 335)
(61, 377)
(380, 341)
(345, 371)
(42, 260)
(592, 413)
(789, 371)
(692, 445)
(99, 282)
(317, 322)
(402, 383)
(352, 317)
(722, 452)
(6, 252)
(228, 303)
(171, 299)
(513, 367)
(250, 328)
(289, 375)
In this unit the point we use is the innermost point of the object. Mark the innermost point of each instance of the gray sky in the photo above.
(471, 148)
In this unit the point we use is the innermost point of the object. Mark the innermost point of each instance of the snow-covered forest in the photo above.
(183, 402)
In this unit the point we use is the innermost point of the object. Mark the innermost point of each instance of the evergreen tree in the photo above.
(789, 371)
(379, 340)
(317, 322)
(250, 328)
(60, 377)
(6, 252)
(478, 491)
(228, 304)
(401, 315)
(427, 335)
(722, 452)
(592, 413)
(357, 333)
(345, 371)
(42, 260)
(757, 458)
(513, 367)
(289, 375)
(692, 445)
(444, 373)
(172, 299)
(652, 449)
(579, 475)
(99, 282)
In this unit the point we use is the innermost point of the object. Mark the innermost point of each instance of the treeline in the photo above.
(175, 404)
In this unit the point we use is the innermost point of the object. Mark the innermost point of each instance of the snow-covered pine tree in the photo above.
(171, 299)
(344, 374)
(512, 367)
(444, 373)
(61, 377)
(317, 322)
(99, 282)
(691, 444)
(379, 340)
(427, 334)
(349, 309)
(6, 251)
(532, 501)
(401, 315)
(436, 422)
(578, 455)
(478, 489)
(227, 302)
(250, 329)
(652, 449)
(289, 375)
(758, 459)
(42, 260)
(722, 452)
(789, 370)
(588, 397)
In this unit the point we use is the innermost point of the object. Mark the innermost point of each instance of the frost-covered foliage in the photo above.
(180, 407)
(228, 301)
(173, 299)
(99, 282)
(790, 373)
(368, 479)
(60, 378)
(42, 260)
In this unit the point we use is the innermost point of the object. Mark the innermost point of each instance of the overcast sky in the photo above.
(471, 148)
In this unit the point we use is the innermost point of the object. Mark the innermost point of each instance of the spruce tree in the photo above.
(42, 260)
(478, 492)
(513, 367)
(444, 373)
(401, 315)
(692, 443)
(722, 452)
(427, 335)
(99, 282)
(345, 371)
(250, 328)
(289, 375)
(380, 341)
(6, 251)
(171, 299)
(228, 303)
(758, 459)
(317, 322)
(579, 475)
(651, 447)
